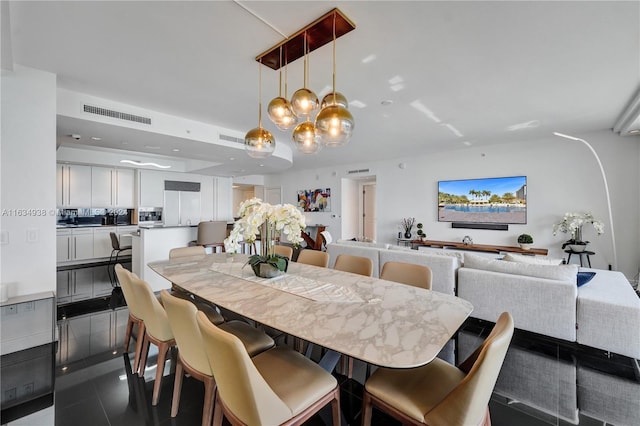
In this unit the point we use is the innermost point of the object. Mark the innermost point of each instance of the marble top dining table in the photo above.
(377, 321)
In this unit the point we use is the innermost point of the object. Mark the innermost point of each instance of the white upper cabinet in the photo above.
(151, 188)
(73, 185)
(112, 187)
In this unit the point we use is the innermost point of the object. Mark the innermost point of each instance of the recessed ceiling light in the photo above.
(232, 158)
(368, 59)
(634, 131)
(396, 80)
(175, 150)
(386, 102)
(357, 104)
(397, 87)
(467, 143)
(95, 138)
(261, 165)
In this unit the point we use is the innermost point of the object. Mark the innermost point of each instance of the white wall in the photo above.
(562, 176)
(27, 155)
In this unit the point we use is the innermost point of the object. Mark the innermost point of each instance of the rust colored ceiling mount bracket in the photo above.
(319, 33)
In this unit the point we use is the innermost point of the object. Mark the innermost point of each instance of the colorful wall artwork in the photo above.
(314, 200)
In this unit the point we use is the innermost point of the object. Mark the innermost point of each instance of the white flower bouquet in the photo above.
(573, 222)
(268, 221)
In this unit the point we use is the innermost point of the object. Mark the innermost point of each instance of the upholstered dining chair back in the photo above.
(467, 403)
(153, 314)
(314, 257)
(407, 273)
(186, 251)
(354, 264)
(182, 318)
(240, 385)
(285, 251)
(124, 277)
(212, 233)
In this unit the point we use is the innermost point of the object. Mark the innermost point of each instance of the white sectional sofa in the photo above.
(604, 313)
(542, 298)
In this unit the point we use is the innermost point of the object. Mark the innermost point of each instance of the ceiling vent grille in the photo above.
(116, 114)
(351, 172)
(231, 139)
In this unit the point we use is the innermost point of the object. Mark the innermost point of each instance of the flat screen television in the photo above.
(501, 200)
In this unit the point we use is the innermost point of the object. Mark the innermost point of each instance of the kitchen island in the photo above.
(153, 243)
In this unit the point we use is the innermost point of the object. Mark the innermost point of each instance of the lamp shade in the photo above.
(259, 143)
(334, 125)
(281, 114)
(336, 98)
(306, 139)
(304, 103)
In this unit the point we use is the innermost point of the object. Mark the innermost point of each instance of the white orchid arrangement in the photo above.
(257, 216)
(573, 223)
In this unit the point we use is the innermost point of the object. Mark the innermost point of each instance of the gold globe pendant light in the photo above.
(279, 109)
(259, 142)
(334, 123)
(306, 139)
(304, 102)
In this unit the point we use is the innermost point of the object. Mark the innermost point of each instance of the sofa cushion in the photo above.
(533, 260)
(551, 272)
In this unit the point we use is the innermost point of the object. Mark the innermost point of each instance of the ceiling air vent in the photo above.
(231, 139)
(351, 172)
(116, 114)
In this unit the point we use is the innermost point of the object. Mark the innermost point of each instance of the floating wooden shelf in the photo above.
(479, 247)
(319, 33)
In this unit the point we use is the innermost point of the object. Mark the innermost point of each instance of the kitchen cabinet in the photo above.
(151, 188)
(73, 185)
(112, 188)
(76, 244)
(74, 285)
(102, 242)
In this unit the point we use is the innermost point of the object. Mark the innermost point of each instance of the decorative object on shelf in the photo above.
(421, 233)
(572, 223)
(407, 225)
(270, 222)
(525, 241)
(334, 124)
(467, 240)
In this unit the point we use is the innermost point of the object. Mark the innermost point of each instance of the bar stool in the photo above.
(116, 249)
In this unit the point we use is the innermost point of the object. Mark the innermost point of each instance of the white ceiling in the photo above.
(458, 74)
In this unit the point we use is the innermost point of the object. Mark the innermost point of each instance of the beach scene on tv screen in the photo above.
(488, 200)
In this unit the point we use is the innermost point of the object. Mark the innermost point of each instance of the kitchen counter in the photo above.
(161, 226)
(91, 225)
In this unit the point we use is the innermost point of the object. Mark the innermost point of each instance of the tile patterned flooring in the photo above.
(542, 382)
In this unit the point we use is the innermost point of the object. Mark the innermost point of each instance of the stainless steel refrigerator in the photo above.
(182, 203)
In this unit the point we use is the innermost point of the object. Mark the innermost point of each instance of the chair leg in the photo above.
(163, 348)
(144, 353)
(111, 278)
(209, 395)
(217, 413)
(335, 408)
(367, 408)
(177, 389)
(141, 333)
(127, 335)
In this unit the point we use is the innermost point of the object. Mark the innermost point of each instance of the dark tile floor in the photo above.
(542, 382)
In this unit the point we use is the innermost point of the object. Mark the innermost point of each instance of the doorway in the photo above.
(368, 211)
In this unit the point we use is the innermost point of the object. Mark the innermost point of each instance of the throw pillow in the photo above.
(533, 260)
(552, 272)
(584, 277)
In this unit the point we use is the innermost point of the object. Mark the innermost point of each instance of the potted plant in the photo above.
(572, 223)
(258, 217)
(421, 233)
(525, 241)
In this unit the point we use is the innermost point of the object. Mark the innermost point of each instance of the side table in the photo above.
(580, 254)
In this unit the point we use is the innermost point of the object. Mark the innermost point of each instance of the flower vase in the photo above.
(407, 235)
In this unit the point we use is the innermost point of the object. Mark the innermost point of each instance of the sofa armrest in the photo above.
(608, 314)
(538, 305)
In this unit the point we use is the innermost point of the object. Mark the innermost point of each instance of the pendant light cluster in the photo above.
(333, 125)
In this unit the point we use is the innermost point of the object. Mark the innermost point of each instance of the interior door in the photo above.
(369, 211)
(274, 195)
